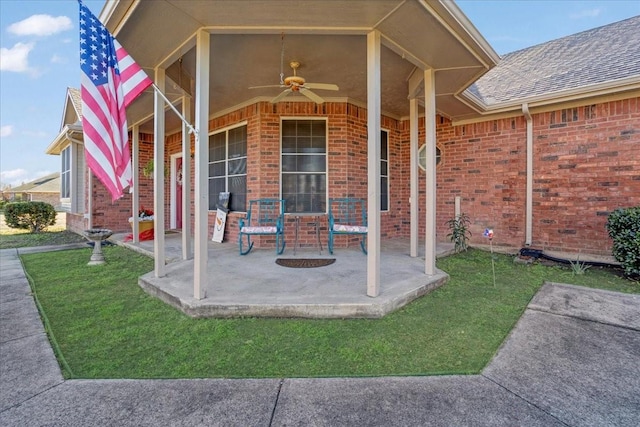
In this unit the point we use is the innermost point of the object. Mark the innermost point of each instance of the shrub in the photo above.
(460, 233)
(623, 226)
(32, 216)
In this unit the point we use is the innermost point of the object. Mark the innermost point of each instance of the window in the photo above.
(304, 165)
(65, 173)
(422, 159)
(228, 167)
(384, 170)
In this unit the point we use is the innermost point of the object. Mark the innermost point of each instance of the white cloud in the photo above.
(14, 177)
(41, 25)
(17, 177)
(586, 13)
(35, 133)
(6, 131)
(16, 58)
(57, 59)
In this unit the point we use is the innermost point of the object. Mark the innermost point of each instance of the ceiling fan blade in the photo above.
(281, 96)
(321, 86)
(261, 87)
(312, 96)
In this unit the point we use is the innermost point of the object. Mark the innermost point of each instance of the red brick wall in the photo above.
(484, 164)
(347, 152)
(76, 223)
(586, 164)
(115, 215)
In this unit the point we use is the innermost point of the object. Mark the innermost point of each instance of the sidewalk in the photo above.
(573, 359)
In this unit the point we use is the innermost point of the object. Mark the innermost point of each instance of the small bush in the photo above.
(32, 216)
(460, 233)
(623, 226)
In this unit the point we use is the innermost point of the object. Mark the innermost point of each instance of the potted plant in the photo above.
(148, 169)
(145, 220)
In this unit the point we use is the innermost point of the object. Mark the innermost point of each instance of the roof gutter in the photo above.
(561, 96)
(529, 191)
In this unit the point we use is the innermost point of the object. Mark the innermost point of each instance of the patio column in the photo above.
(201, 202)
(135, 200)
(430, 170)
(373, 166)
(186, 180)
(415, 84)
(413, 176)
(158, 175)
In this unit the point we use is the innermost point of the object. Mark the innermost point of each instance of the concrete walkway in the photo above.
(573, 359)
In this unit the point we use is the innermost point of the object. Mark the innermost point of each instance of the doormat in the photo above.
(305, 262)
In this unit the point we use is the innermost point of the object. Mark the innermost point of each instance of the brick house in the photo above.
(44, 189)
(539, 145)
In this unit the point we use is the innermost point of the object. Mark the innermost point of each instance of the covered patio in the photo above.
(392, 66)
(254, 285)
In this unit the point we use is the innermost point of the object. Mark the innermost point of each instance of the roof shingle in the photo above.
(600, 55)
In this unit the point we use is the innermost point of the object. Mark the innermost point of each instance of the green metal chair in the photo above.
(347, 216)
(265, 217)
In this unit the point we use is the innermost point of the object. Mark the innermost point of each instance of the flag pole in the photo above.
(175, 110)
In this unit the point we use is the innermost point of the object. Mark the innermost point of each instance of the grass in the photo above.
(26, 239)
(54, 235)
(105, 326)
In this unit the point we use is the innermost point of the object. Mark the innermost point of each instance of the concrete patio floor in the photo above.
(254, 285)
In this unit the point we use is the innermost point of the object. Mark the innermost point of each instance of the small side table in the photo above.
(313, 219)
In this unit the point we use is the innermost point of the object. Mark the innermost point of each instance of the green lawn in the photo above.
(54, 235)
(105, 326)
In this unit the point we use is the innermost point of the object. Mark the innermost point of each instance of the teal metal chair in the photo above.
(347, 216)
(265, 217)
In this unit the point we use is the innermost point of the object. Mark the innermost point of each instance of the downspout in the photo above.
(529, 198)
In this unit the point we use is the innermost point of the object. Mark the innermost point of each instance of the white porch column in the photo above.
(430, 153)
(158, 175)
(135, 199)
(186, 180)
(373, 166)
(201, 202)
(413, 176)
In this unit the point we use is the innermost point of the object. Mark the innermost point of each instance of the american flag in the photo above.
(110, 81)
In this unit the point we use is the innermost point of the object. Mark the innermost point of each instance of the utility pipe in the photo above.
(529, 197)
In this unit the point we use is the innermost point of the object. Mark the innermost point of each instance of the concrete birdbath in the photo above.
(97, 236)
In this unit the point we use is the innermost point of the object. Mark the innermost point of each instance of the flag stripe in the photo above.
(134, 79)
(110, 81)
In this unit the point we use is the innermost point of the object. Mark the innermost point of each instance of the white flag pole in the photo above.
(175, 110)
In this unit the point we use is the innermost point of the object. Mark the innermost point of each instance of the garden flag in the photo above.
(110, 81)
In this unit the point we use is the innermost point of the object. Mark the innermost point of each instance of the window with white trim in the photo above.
(228, 167)
(384, 170)
(304, 165)
(422, 157)
(65, 173)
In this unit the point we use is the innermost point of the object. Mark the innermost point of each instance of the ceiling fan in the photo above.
(297, 83)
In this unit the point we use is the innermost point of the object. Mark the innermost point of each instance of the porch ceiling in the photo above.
(328, 38)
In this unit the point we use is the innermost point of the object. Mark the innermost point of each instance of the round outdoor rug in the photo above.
(305, 262)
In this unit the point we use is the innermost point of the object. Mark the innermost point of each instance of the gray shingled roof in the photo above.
(600, 55)
(46, 184)
(76, 98)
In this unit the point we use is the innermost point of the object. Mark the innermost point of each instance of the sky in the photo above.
(39, 59)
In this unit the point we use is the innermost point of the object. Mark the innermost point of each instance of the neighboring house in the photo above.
(45, 189)
(539, 145)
